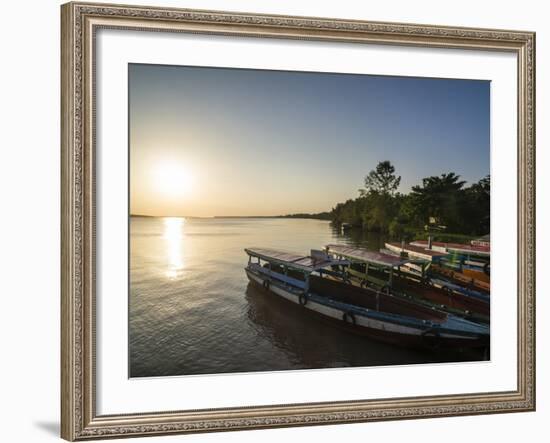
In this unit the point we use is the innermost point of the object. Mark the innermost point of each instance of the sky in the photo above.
(228, 142)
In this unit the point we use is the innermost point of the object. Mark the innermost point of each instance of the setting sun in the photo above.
(172, 180)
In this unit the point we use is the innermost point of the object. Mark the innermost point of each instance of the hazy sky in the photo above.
(212, 141)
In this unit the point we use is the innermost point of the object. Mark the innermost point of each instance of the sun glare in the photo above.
(173, 235)
(172, 180)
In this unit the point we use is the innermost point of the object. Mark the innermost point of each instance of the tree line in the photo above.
(440, 203)
(318, 216)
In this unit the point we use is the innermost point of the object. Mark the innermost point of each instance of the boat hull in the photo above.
(357, 322)
(442, 294)
(462, 278)
(477, 275)
(439, 295)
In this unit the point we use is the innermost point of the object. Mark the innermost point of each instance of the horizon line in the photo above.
(230, 216)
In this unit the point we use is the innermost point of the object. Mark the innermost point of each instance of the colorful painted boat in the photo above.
(445, 266)
(482, 241)
(317, 283)
(477, 250)
(476, 274)
(461, 278)
(409, 278)
(416, 252)
(472, 260)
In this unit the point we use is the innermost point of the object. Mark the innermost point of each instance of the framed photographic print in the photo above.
(281, 221)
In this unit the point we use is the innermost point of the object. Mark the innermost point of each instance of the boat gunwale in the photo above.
(482, 251)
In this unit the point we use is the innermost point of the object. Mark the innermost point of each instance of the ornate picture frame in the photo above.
(80, 22)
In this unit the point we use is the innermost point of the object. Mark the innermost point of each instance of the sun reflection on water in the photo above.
(173, 235)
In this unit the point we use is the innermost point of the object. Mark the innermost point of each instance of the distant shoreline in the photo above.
(295, 216)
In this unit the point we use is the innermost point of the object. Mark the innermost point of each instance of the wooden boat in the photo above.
(446, 266)
(476, 274)
(415, 252)
(470, 250)
(472, 260)
(391, 273)
(317, 283)
(462, 278)
(482, 241)
(470, 272)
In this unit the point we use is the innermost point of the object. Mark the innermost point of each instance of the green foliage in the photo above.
(440, 198)
(381, 208)
(349, 212)
(381, 180)
(396, 229)
(477, 206)
(318, 216)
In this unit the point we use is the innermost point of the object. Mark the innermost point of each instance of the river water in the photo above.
(193, 311)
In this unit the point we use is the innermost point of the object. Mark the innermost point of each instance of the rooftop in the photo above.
(305, 263)
(364, 255)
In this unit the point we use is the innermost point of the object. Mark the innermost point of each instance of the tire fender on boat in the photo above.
(432, 332)
(302, 298)
(265, 284)
(349, 318)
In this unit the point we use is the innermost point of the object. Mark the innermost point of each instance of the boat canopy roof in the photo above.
(364, 255)
(456, 247)
(305, 263)
(412, 247)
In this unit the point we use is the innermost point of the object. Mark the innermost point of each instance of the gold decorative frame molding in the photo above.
(79, 22)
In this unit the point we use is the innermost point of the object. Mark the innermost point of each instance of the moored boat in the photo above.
(317, 283)
(416, 252)
(472, 260)
(471, 250)
(462, 278)
(459, 270)
(410, 278)
(477, 275)
(482, 241)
